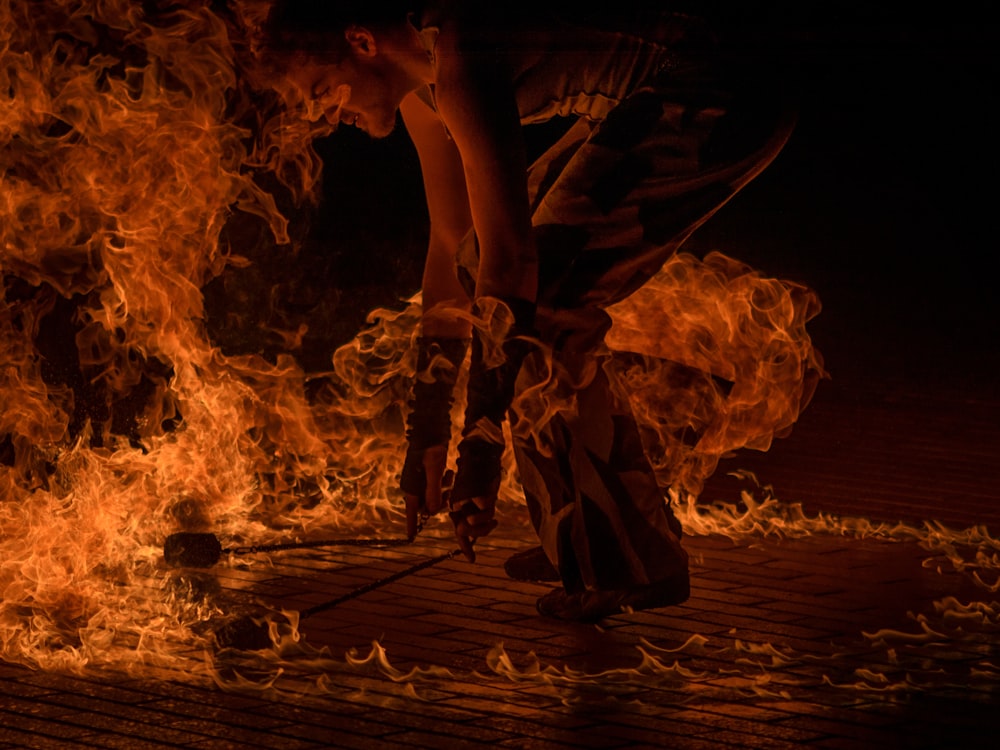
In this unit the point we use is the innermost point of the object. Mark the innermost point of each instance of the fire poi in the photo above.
(129, 140)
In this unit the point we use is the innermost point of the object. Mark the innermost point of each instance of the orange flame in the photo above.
(725, 362)
(129, 140)
(120, 166)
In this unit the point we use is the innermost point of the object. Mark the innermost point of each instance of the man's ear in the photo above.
(360, 40)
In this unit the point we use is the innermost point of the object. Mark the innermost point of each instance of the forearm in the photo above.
(445, 302)
(508, 259)
(498, 199)
(508, 273)
(475, 98)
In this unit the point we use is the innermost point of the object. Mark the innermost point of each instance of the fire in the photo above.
(120, 167)
(732, 349)
(129, 141)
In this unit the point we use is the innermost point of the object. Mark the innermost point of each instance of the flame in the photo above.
(122, 162)
(131, 140)
(732, 349)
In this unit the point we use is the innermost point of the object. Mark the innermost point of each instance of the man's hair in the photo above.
(316, 27)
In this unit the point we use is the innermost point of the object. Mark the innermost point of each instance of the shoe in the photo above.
(530, 565)
(591, 606)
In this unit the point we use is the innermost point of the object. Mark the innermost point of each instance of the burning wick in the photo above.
(250, 633)
(199, 550)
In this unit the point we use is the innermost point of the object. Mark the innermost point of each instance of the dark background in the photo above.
(882, 201)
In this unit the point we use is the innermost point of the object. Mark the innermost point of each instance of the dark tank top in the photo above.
(566, 70)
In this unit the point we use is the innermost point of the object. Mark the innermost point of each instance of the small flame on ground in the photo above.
(889, 663)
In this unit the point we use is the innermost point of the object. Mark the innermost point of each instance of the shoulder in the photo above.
(485, 40)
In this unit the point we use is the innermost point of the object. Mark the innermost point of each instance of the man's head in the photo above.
(325, 59)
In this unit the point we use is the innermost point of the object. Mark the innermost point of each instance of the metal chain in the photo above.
(376, 542)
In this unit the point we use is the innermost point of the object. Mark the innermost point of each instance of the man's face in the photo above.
(350, 92)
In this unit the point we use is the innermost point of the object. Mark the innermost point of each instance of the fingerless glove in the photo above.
(428, 423)
(490, 393)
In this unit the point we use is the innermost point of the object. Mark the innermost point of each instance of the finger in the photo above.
(480, 512)
(412, 514)
(435, 462)
(467, 529)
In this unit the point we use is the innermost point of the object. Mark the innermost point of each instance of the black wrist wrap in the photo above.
(490, 393)
(438, 363)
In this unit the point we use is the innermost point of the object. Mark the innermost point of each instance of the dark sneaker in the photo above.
(591, 606)
(530, 565)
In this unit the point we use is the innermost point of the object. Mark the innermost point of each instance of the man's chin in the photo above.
(382, 130)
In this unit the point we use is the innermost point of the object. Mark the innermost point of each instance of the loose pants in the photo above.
(611, 202)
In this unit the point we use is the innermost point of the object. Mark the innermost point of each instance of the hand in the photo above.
(422, 482)
(429, 428)
(473, 499)
(473, 519)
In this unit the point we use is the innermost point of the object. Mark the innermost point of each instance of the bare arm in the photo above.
(478, 179)
(450, 218)
(448, 207)
(476, 100)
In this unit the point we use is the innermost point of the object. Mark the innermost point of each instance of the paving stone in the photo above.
(413, 739)
(367, 729)
(746, 723)
(14, 737)
(22, 719)
(572, 685)
(745, 621)
(550, 732)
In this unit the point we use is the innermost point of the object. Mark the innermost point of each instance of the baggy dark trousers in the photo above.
(611, 202)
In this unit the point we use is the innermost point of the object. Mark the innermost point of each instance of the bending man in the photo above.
(524, 258)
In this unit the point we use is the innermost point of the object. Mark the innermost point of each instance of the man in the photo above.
(524, 258)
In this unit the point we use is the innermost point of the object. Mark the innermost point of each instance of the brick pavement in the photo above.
(856, 636)
(827, 641)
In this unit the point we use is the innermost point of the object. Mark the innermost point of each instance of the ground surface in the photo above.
(853, 637)
(846, 638)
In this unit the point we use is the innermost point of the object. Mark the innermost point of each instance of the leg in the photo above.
(591, 493)
(616, 199)
(612, 202)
